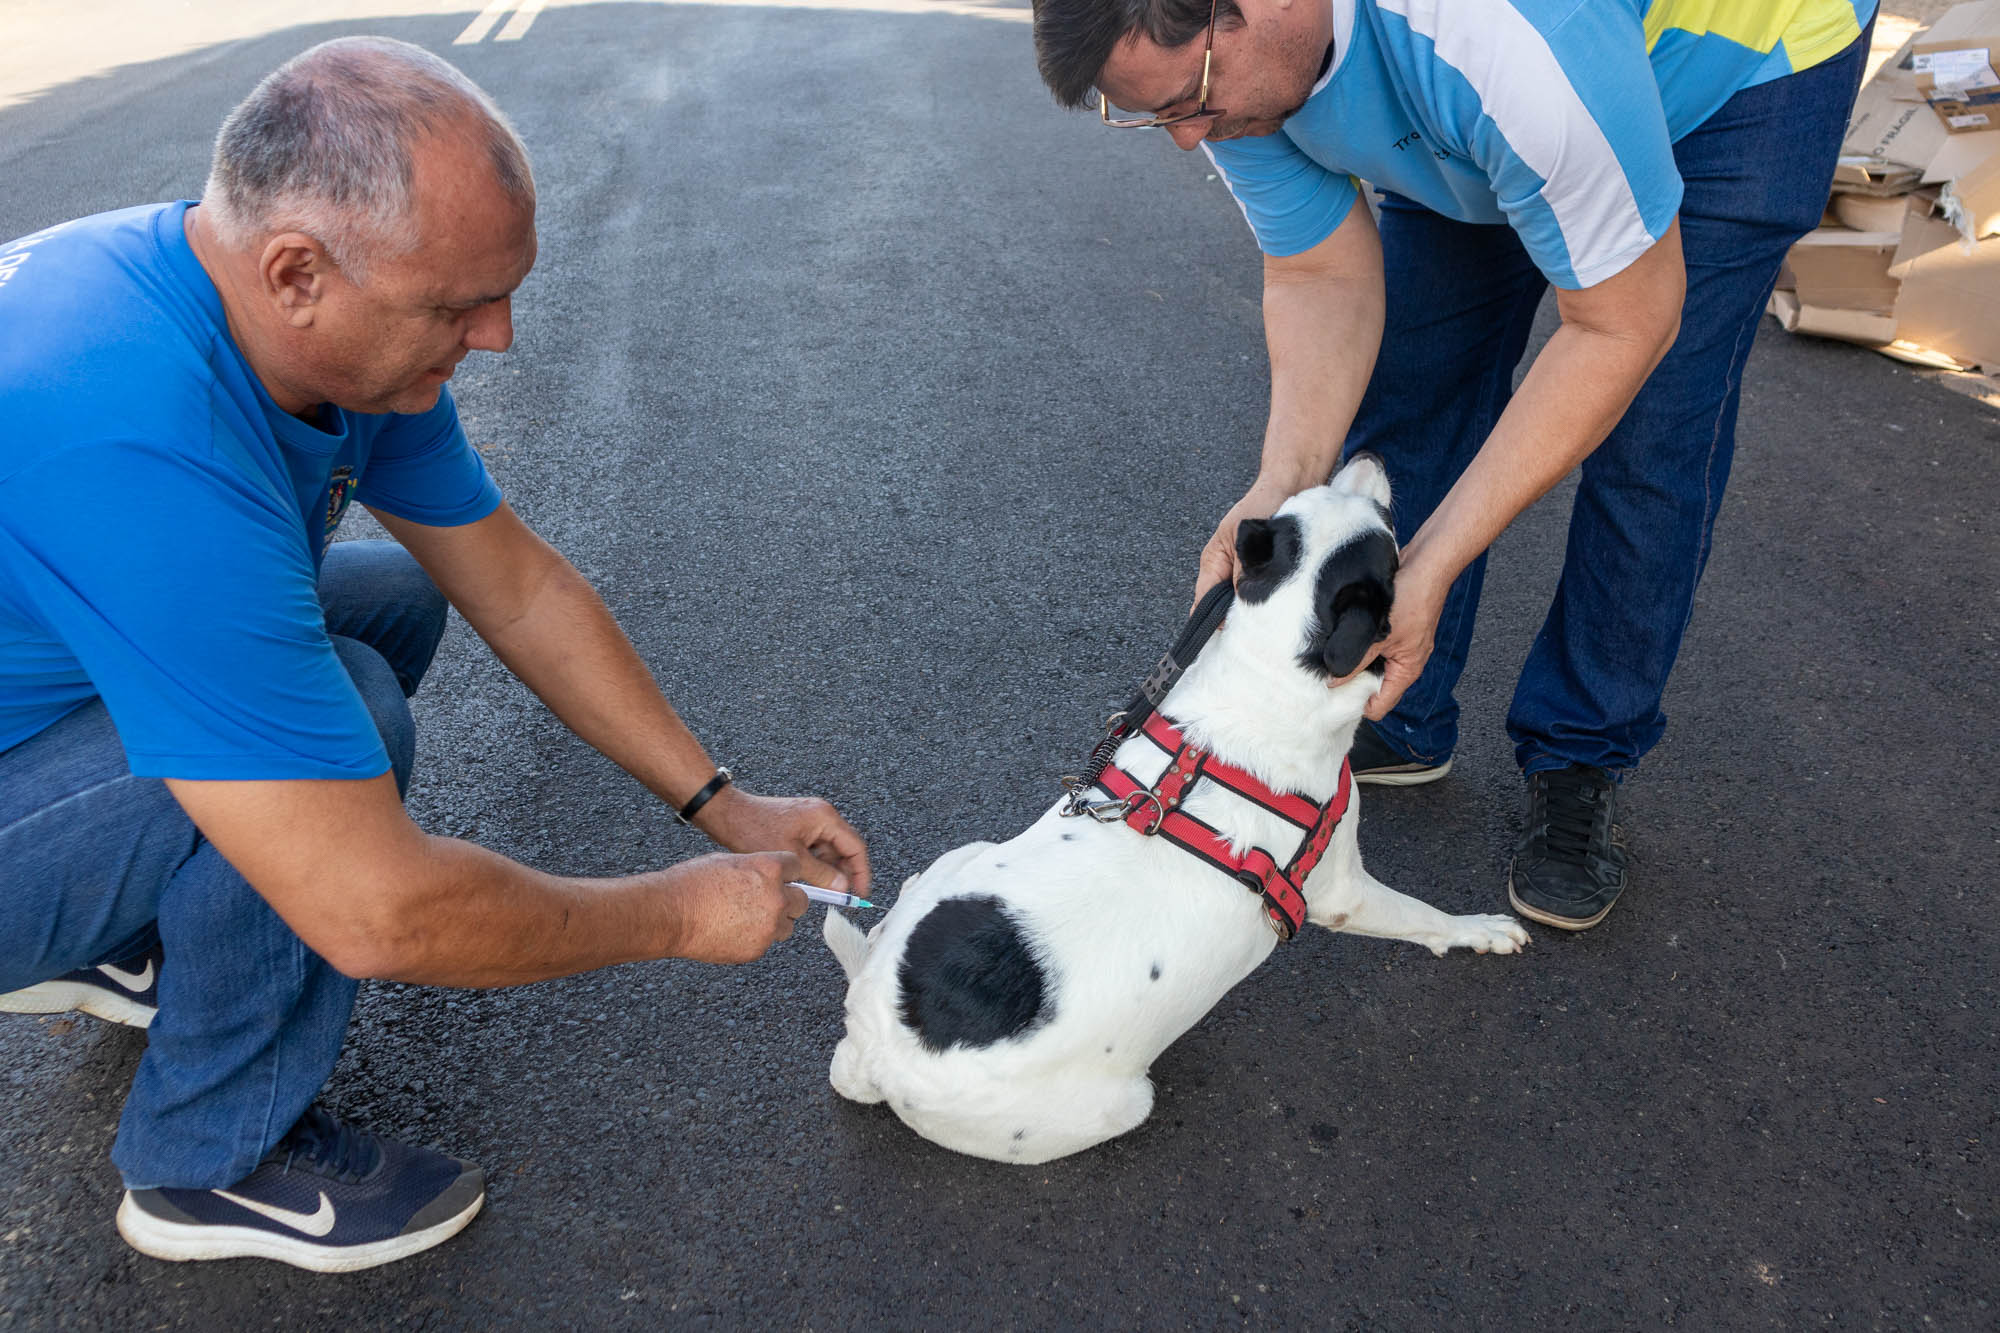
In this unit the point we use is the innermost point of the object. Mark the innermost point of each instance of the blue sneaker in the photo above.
(329, 1197)
(125, 992)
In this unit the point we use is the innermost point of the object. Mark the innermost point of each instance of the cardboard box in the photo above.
(1860, 212)
(1891, 122)
(1920, 294)
(1952, 67)
(1837, 269)
(1895, 142)
(1909, 261)
(1970, 200)
(1950, 292)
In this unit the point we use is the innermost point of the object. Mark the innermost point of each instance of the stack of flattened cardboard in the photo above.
(1908, 258)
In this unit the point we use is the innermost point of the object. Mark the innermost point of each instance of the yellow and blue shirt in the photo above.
(1557, 117)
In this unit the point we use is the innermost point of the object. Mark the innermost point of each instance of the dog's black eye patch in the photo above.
(968, 977)
(1351, 599)
(1267, 551)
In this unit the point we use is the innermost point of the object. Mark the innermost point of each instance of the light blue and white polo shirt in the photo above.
(1557, 117)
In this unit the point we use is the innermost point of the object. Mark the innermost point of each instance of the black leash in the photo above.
(1124, 724)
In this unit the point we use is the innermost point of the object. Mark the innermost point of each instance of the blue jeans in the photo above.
(1461, 304)
(101, 865)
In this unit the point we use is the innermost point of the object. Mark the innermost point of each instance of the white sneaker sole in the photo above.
(1391, 778)
(179, 1243)
(62, 997)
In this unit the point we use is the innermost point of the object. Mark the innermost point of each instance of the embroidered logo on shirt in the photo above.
(340, 489)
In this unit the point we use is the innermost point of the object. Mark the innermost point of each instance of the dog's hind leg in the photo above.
(846, 1075)
(1364, 905)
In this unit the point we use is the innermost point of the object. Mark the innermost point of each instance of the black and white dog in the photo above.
(1011, 1003)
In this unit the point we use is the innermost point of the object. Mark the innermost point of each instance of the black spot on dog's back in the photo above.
(968, 977)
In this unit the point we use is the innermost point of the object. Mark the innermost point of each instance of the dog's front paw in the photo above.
(1483, 934)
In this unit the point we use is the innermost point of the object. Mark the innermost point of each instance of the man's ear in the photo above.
(296, 270)
(1267, 551)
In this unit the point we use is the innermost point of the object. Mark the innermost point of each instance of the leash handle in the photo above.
(1202, 623)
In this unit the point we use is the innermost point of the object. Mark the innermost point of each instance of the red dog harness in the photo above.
(1156, 810)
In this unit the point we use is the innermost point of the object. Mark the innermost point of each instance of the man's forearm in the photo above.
(1322, 334)
(1612, 336)
(466, 916)
(374, 895)
(1576, 391)
(568, 649)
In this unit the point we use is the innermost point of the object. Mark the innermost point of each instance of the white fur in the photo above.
(1107, 907)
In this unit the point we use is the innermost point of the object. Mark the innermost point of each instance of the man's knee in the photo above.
(382, 693)
(425, 610)
(375, 592)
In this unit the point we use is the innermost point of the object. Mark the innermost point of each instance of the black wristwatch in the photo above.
(722, 779)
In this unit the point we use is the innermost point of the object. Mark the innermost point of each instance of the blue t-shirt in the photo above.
(162, 520)
(1557, 117)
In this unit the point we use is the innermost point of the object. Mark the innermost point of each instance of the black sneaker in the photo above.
(1570, 866)
(125, 992)
(1373, 762)
(329, 1197)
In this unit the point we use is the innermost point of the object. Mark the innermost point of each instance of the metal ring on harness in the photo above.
(1139, 798)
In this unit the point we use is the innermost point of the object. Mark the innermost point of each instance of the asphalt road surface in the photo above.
(888, 405)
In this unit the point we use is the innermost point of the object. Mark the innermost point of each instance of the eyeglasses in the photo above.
(1201, 107)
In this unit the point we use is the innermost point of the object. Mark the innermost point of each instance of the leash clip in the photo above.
(1116, 810)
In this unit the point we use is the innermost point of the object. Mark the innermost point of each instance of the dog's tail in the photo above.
(847, 942)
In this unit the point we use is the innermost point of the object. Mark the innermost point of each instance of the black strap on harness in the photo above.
(1208, 614)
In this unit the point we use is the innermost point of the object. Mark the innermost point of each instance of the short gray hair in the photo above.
(323, 146)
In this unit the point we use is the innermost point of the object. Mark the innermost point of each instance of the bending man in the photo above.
(1650, 159)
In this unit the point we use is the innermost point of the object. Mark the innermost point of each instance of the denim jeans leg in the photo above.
(376, 592)
(1757, 174)
(251, 1020)
(1461, 304)
(85, 846)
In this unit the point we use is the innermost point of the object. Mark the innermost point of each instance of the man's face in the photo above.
(389, 344)
(1263, 71)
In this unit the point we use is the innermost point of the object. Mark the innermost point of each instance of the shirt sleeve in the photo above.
(422, 468)
(1291, 202)
(1562, 113)
(188, 596)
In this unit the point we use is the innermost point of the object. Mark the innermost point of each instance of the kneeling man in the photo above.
(204, 738)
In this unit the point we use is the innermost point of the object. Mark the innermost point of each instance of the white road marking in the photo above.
(476, 30)
(517, 27)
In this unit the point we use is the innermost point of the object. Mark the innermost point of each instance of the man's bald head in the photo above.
(326, 146)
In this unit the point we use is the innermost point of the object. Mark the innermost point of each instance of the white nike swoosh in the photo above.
(312, 1224)
(132, 981)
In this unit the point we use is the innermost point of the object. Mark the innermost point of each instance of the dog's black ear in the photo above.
(1267, 551)
(1357, 627)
